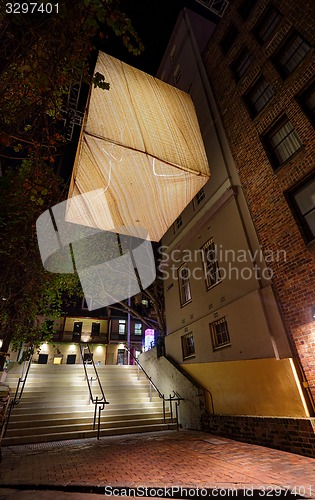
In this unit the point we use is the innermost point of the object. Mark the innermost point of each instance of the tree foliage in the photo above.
(41, 56)
(26, 289)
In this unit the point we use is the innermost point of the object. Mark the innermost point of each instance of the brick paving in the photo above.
(186, 459)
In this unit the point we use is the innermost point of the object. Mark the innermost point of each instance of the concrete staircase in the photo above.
(55, 404)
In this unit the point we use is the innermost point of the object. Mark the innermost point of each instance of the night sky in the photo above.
(154, 20)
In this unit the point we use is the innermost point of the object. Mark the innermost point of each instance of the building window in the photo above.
(281, 142)
(184, 285)
(246, 7)
(121, 326)
(291, 54)
(77, 330)
(219, 334)
(77, 326)
(267, 24)
(241, 64)
(302, 201)
(178, 223)
(228, 40)
(96, 328)
(211, 265)
(258, 96)
(188, 345)
(138, 328)
(200, 196)
(307, 102)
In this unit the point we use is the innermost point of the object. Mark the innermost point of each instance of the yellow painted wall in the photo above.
(265, 387)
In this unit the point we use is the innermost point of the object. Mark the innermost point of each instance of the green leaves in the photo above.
(98, 80)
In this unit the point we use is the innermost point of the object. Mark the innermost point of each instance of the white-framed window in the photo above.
(188, 345)
(121, 326)
(210, 263)
(184, 284)
(138, 328)
(220, 336)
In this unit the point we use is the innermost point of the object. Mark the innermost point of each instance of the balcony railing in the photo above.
(68, 336)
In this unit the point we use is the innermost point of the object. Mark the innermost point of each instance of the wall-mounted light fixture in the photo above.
(313, 312)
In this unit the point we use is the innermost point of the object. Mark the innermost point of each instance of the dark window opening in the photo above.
(307, 102)
(291, 54)
(96, 328)
(228, 40)
(267, 24)
(188, 345)
(246, 8)
(258, 96)
(302, 203)
(42, 359)
(241, 64)
(281, 142)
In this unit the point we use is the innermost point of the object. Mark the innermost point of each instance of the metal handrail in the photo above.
(14, 401)
(99, 403)
(5, 412)
(176, 398)
(197, 384)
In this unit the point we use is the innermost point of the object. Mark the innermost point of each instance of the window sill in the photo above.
(186, 303)
(212, 286)
(189, 357)
(221, 347)
(277, 169)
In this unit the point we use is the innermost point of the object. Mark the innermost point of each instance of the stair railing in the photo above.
(99, 403)
(175, 398)
(14, 401)
(5, 407)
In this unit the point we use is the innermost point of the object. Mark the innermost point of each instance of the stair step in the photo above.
(55, 404)
(86, 434)
(75, 420)
(81, 427)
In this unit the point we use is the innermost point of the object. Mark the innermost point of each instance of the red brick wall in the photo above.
(294, 278)
(295, 435)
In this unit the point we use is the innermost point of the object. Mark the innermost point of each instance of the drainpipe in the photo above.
(128, 333)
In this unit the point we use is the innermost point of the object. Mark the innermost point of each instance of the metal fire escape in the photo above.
(218, 7)
(72, 115)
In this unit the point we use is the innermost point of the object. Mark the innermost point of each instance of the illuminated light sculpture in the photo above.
(141, 156)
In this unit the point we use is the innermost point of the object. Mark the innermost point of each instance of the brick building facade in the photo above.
(260, 62)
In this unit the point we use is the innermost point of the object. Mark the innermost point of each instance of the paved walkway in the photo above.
(170, 460)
